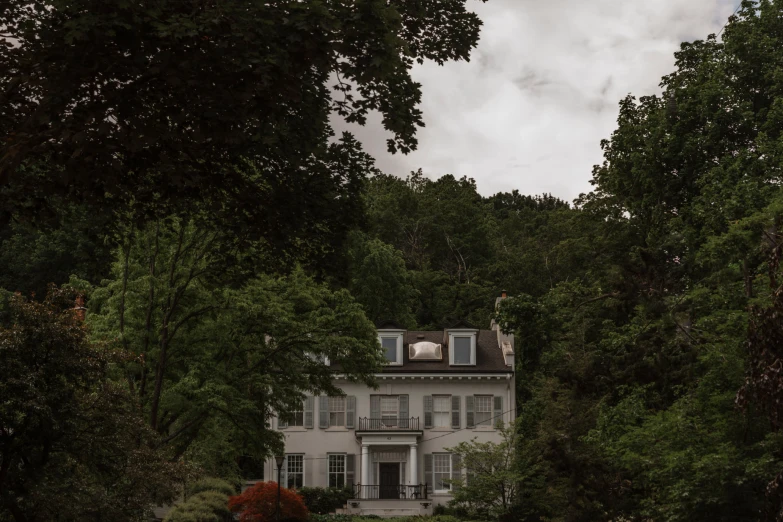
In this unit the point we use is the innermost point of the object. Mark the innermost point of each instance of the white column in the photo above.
(414, 465)
(365, 470)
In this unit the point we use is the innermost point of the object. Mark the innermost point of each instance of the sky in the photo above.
(542, 89)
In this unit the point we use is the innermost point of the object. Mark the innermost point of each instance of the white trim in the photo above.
(393, 334)
(472, 334)
(441, 376)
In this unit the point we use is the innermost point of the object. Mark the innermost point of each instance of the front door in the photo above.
(390, 479)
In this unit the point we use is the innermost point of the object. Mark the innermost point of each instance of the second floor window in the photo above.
(441, 411)
(336, 411)
(390, 410)
(483, 410)
(297, 418)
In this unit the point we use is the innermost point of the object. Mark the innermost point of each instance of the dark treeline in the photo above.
(645, 312)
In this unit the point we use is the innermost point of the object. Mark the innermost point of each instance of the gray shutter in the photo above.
(350, 411)
(309, 465)
(455, 412)
(428, 411)
(350, 469)
(375, 408)
(281, 423)
(428, 476)
(469, 410)
(323, 412)
(456, 468)
(308, 412)
(404, 419)
(498, 411)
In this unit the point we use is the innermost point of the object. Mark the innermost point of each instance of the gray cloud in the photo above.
(541, 91)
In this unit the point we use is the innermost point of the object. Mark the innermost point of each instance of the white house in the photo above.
(439, 388)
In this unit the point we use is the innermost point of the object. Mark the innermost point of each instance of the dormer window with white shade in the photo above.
(391, 343)
(462, 347)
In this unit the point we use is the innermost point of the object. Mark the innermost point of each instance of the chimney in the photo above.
(80, 308)
(503, 294)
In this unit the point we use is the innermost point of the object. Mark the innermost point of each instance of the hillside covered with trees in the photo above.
(648, 313)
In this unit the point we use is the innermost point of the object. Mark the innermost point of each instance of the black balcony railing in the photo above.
(391, 492)
(388, 423)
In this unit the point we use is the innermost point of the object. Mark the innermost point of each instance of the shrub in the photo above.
(205, 506)
(325, 500)
(259, 504)
(211, 484)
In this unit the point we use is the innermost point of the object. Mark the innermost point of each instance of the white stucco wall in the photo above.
(317, 443)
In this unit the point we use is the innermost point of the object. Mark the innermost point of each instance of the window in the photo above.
(462, 350)
(336, 471)
(483, 405)
(441, 411)
(441, 467)
(294, 471)
(336, 411)
(389, 409)
(390, 348)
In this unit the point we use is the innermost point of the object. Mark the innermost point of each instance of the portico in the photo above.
(389, 465)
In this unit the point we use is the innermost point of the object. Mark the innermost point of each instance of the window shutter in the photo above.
(428, 477)
(375, 407)
(404, 412)
(498, 411)
(469, 411)
(428, 411)
(455, 412)
(307, 478)
(308, 412)
(350, 411)
(456, 468)
(281, 423)
(350, 469)
(323, 412)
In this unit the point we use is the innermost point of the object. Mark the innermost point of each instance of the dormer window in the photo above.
(462, 347)
(391, 343)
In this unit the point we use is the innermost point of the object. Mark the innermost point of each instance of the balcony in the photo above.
(391, 492)
(388, 424)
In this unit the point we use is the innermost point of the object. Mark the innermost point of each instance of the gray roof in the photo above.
(489, 356)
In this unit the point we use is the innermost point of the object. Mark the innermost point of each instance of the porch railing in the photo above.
(391, 492)
(388, 423)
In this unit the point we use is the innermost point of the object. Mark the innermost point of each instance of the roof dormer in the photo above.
(461, 339)
(391, 335)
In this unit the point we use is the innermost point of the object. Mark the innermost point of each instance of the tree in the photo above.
(72, 446)
(259, 504)
(207, 501)
(493, 475)
(115, 103)
(217, 354)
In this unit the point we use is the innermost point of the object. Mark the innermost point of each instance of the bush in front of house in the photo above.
(207, 501)
(259, 503)
(322, 501)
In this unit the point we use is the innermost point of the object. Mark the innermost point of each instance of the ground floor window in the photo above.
(294, 471)
(336, 471)
(441, 467)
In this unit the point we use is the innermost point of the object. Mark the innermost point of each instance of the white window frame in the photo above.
(446, 413)
(462, 333)
(435, 473)
(289, 473)
(333, 401)
(329, 471)
(398, 336)
(477, 399)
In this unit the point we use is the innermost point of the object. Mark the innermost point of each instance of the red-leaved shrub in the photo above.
(259, 504)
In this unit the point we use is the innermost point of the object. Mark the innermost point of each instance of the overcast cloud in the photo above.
(541, 90)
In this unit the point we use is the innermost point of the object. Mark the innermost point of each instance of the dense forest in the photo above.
(647, 313)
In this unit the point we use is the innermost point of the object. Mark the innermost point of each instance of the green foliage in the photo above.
(206, 506)
(195, 93)
(217, 355)
(72, 443)
(491, 487)
(325, 500)
(211, 484)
